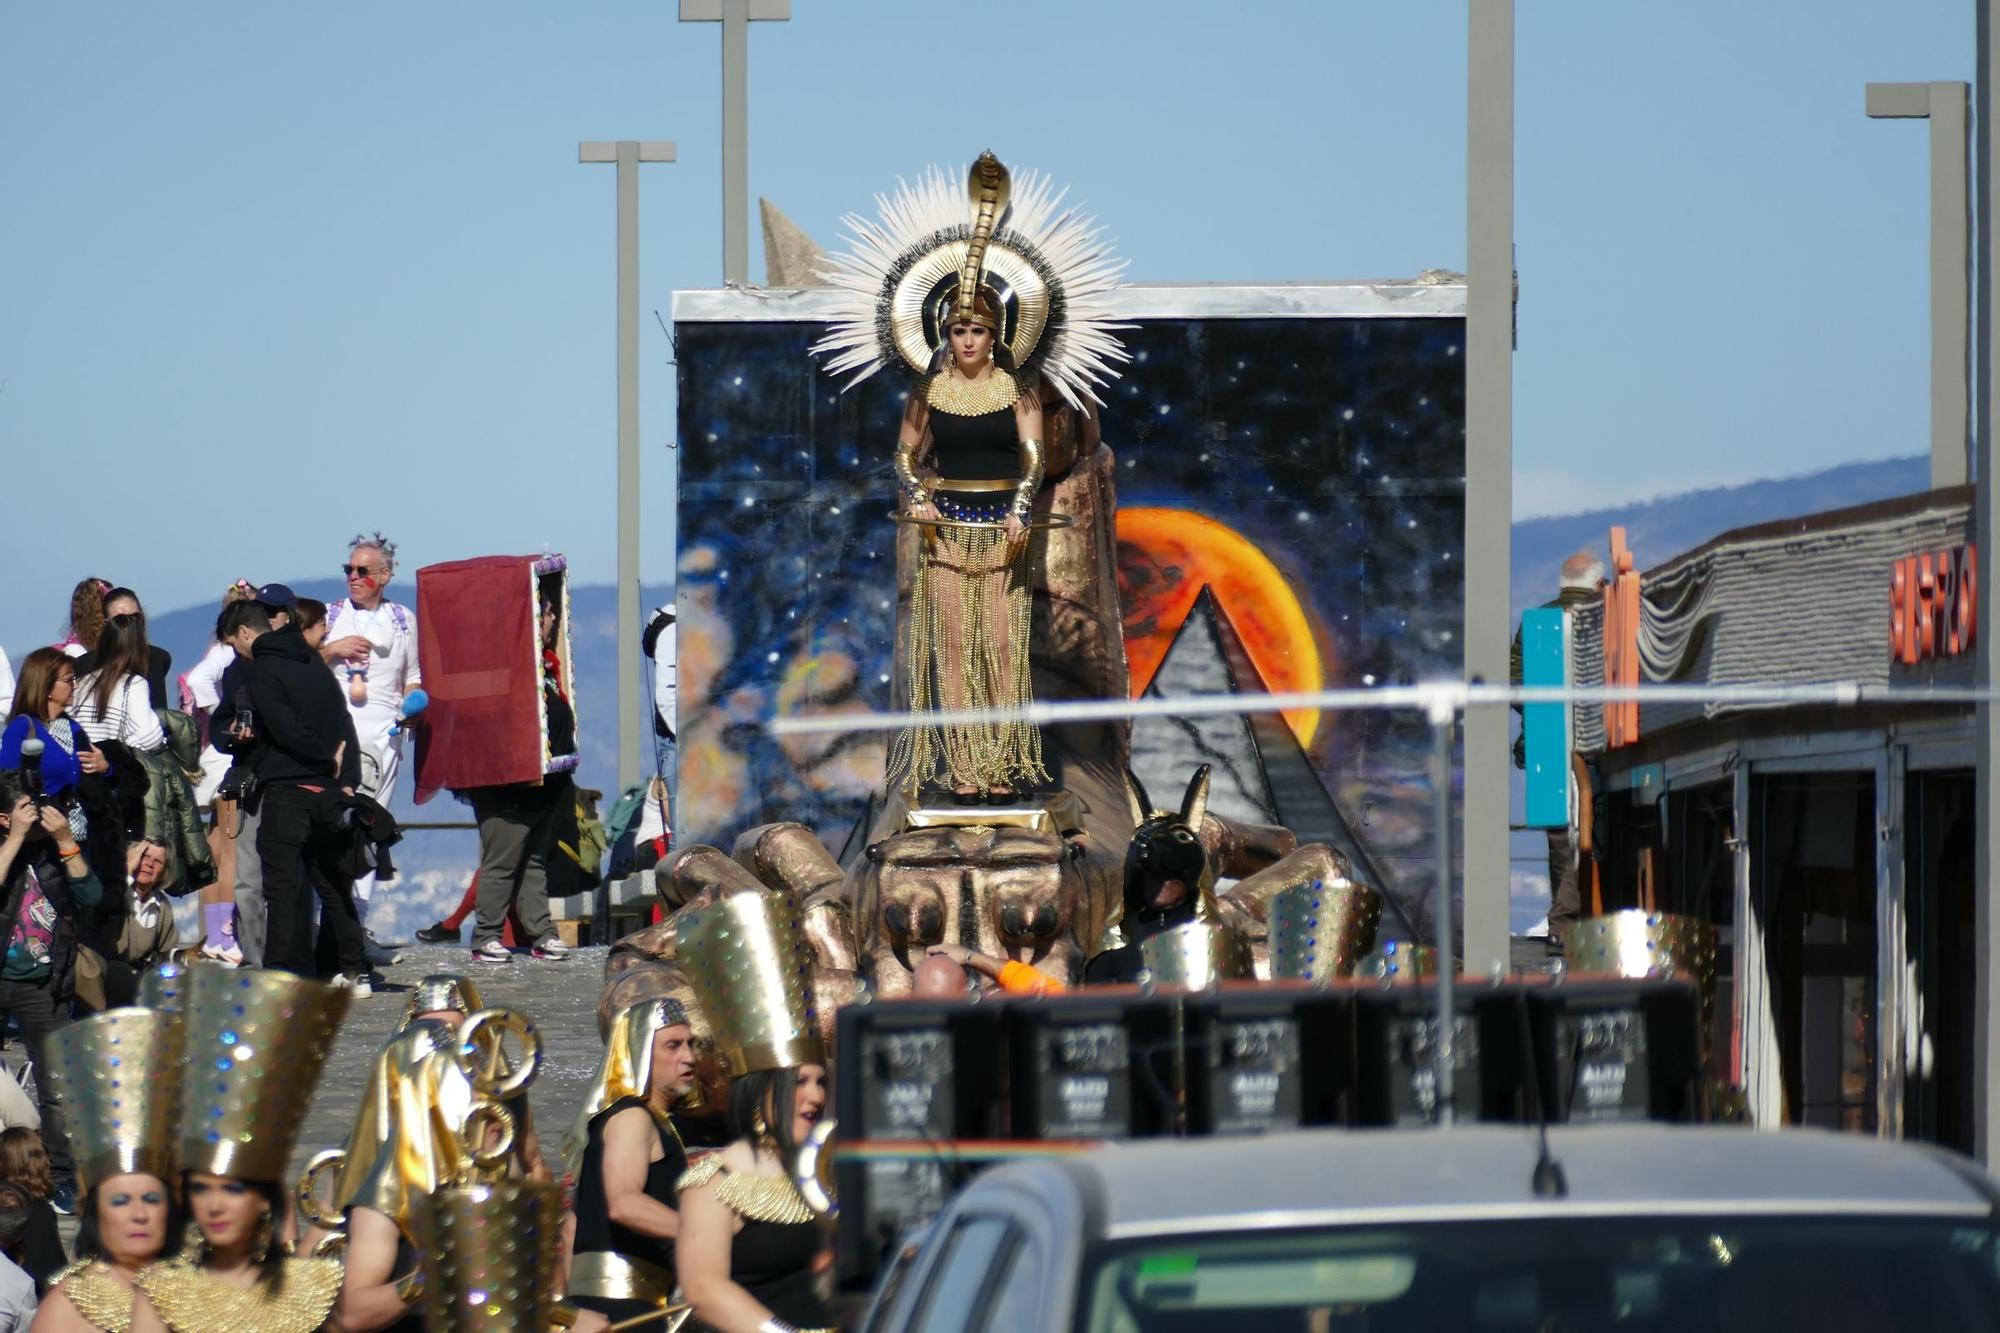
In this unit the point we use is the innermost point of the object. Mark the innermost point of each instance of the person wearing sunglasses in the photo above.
(371, 645)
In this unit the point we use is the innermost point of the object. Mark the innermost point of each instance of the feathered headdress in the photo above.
(937, 249)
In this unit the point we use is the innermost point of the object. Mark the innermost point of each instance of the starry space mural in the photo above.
(1308, 471)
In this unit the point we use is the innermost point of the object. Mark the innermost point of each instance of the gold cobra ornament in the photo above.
(989, 186)
(812, 1176)
(482, 1056)
(307, 1193)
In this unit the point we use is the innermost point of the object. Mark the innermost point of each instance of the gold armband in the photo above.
(907, 482)
(1031, 477)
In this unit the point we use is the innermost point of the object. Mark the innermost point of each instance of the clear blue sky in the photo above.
(272, 274)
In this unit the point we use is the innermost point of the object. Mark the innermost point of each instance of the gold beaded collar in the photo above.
(102, 1300)
(759, 1198)
(190, 1299)
(952, 393)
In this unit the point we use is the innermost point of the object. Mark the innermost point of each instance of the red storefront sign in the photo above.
(1933, 604)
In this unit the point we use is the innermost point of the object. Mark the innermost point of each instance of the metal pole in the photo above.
(1944, 105)
(1986, 806)
(736, 142)
(628, 465)
(1951, 288)
(628, 154)
(736, 16)
(1489, 467)
(1442, 715)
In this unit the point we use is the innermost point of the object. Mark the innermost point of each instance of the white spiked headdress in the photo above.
(1045, 267)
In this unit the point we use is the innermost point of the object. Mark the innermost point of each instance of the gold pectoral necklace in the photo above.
(949, 391)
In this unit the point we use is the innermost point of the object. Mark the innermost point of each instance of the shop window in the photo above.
(1814, 860)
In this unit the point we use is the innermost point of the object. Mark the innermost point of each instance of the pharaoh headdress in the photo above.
(936, 253)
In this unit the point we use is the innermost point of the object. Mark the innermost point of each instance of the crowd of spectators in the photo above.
(258, 779)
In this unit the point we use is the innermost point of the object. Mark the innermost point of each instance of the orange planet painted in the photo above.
(1167, 556)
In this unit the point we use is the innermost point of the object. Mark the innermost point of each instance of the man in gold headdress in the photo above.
(396, 1152)
(625, 1157)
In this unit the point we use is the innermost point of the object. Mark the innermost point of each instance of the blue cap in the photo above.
(277, 595)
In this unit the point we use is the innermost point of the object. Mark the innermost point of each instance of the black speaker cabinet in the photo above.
(918, 1071)
(1269, 1057)
(1396, 1033)
(1100, 1063)
(1611, 1049)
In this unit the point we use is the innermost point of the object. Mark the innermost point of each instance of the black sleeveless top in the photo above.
(773, 1261)
(594, 1228)
(981, 448)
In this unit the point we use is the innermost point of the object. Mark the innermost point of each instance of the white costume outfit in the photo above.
(392, 672)
(204, 687)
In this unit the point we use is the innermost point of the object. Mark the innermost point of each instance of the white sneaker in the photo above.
(379, 954)
(362, 987)
(552, 949)
(493, 951)
(226, 955)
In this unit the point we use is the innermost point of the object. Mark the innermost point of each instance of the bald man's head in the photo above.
(938, 978)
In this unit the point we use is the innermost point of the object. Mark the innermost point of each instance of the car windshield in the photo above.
(1537, 1275)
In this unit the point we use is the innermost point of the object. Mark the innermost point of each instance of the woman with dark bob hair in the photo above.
(129, 1217)
(751, 1249)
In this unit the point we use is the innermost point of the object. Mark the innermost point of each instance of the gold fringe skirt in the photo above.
(968, 649)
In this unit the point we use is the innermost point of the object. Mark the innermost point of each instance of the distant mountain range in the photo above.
(1657, 530)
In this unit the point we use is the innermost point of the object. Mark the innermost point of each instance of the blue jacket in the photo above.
(59, 767)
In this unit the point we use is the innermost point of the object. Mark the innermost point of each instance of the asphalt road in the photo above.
(561, 998)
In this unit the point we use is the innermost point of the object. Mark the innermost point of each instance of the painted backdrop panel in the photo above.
(1308, 472)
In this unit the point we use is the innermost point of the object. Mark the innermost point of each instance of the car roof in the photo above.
(1336, 1177)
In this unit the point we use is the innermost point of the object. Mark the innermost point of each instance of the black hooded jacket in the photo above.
(301, 717)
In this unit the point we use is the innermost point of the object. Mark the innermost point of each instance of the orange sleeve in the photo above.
(1020, 979)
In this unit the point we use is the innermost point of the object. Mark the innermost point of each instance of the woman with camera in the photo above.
(42, 698)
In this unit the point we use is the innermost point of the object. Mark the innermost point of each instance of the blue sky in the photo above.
(273, 274)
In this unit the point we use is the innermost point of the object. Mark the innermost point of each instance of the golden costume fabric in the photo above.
(190, 1299)
(760, 1198)
(118, 1077)
(969, 620)
(98, 1296)
(256, 1043)
(747, 959)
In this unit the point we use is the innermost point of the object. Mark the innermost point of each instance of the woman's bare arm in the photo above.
(708, 1233)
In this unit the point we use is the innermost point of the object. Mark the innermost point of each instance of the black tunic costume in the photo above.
(595, 1231)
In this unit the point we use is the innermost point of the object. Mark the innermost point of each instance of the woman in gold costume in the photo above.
(968, 638)
(751, 1249)
(997, 299)
(118, 1078)
(255, 1043)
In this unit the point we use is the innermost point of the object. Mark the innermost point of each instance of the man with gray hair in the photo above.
(371, 645)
